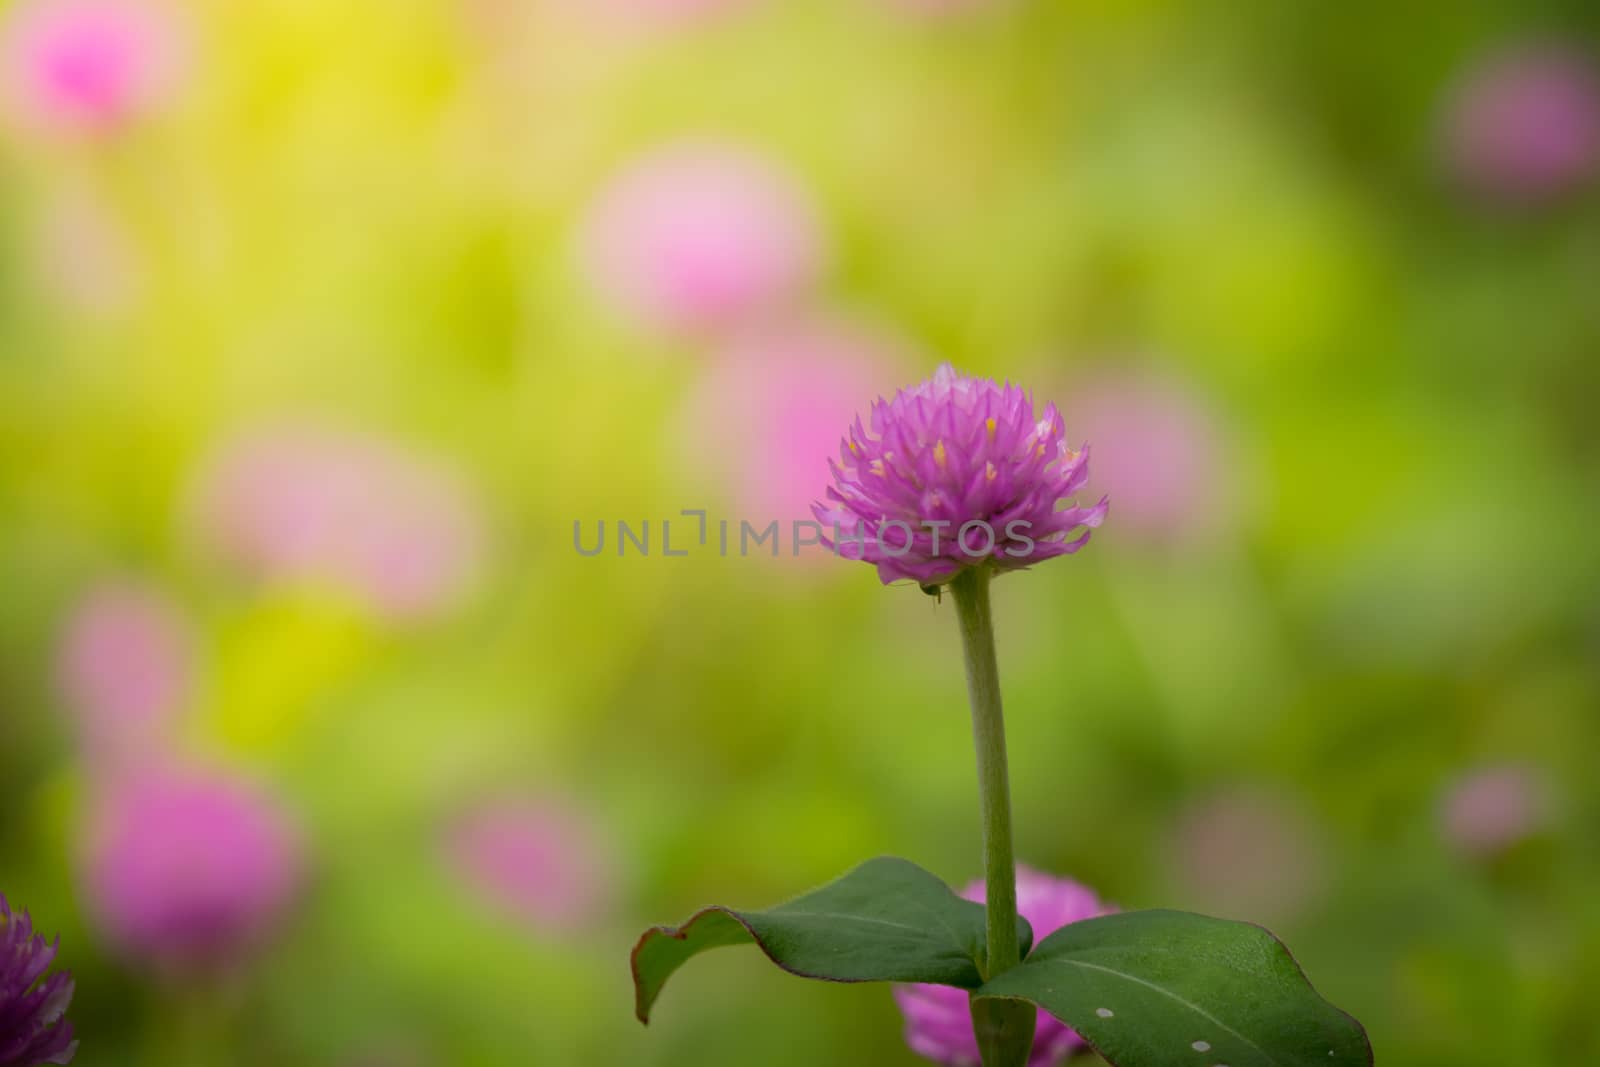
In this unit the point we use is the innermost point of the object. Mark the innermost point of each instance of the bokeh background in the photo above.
(322, 322)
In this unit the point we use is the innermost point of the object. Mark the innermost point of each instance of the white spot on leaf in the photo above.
(1104, 1013)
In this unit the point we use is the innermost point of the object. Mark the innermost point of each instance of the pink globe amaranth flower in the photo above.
(125, 664)
(767, 414)
(534, 860)
(187, 869)
(89, 66)
(956, 472)
(32, 1030)
(938, 1018)
(1247, 852)
(702, 237)
(1156, 451)
(297, 502)
(1525, 126)
(1491, 809)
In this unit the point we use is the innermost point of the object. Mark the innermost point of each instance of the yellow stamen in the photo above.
(989, 425)
(877, 467)
(938, 453)
(989, 472)
(854, 451)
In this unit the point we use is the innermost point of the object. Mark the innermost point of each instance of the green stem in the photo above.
(1004, 1028)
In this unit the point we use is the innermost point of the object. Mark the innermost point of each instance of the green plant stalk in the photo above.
(1004, 1027)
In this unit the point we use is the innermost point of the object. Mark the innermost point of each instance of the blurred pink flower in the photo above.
(397, 529)
(766, 416)
(941, 7)
(1525, 125)
(938, 1018)
(538, 861)
(660, 13)
(699, 237)
(88, 65)
(1247, 853)
(189, 869)
(1493, 808)
(124, 665)
(1156, 453)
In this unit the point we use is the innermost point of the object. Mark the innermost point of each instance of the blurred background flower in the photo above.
(392, 528)
(535, 860)
(1489, 810)
(770, 412)
(125, 670)
(1155, 451)
(701, 237)
(1526, 123)
(89, 66)
(320, 327)
(187, 869)
(1247, 852)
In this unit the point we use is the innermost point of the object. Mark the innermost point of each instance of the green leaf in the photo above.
(886, 921)
(1166, 988)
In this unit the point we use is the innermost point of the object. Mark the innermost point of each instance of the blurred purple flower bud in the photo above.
(701, 237)
(397, 530)
(1488, 810)
(766, 416)
(661, 13)
(32, 1029)
(938, 1018)
(1247, 853)
(124, 666)
(940, 7)
(537, 861)
(187, 869)
(1525, 125)
(88, 66)
(1156, 452)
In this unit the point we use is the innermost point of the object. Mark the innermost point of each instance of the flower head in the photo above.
(956, 472)
(938, 1018)
(188, 869)
(1526, 125)
(702, 237)
(32, 1030)
(88, 65)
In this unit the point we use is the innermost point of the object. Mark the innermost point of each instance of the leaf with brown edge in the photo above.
(886, 921)
(1172, 989)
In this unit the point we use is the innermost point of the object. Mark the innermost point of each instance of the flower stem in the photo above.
(1004, 1028)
